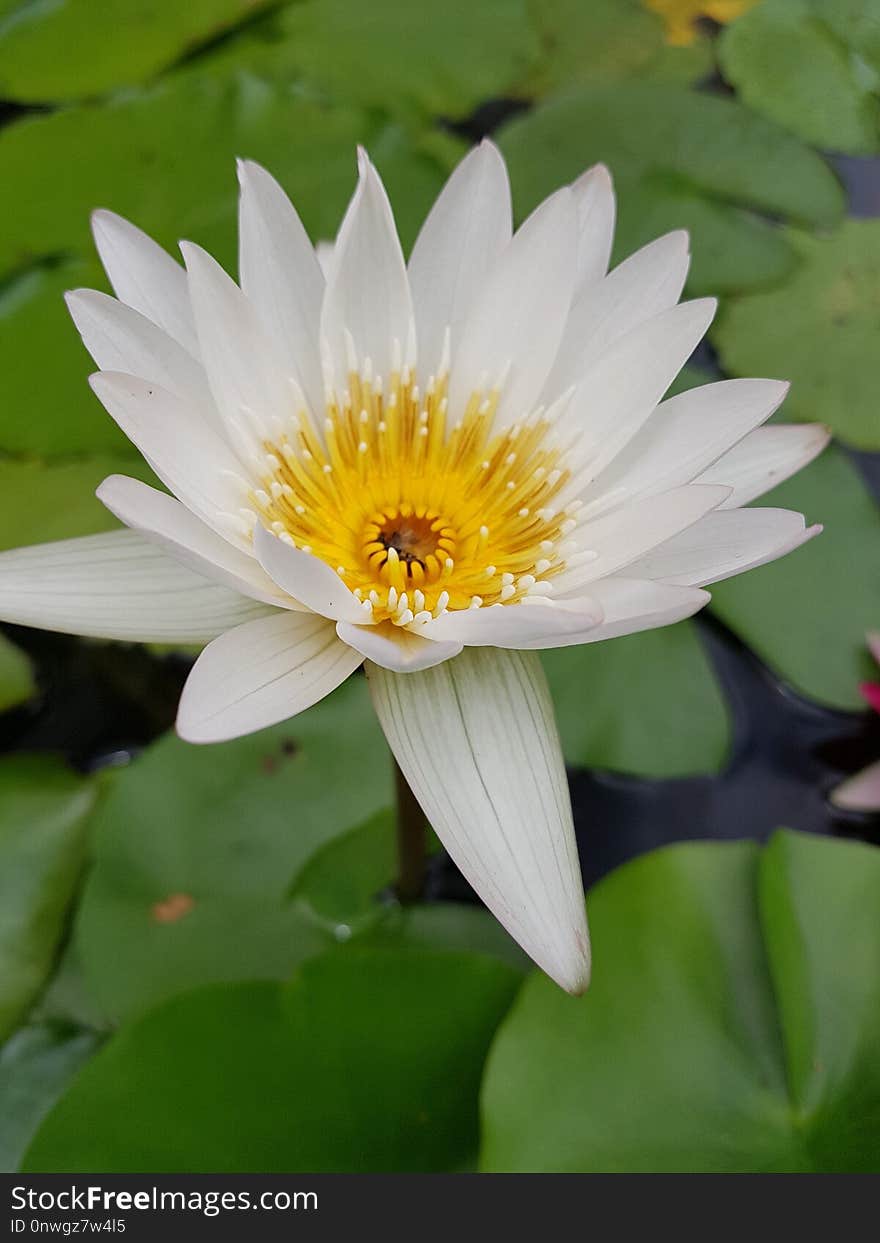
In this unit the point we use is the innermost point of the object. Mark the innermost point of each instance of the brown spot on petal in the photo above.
(172, 908)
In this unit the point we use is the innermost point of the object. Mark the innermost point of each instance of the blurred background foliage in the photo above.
(175, 918)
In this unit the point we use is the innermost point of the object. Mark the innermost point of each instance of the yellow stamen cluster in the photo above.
(416, 511)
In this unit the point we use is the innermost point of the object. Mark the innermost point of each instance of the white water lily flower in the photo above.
(422, 466)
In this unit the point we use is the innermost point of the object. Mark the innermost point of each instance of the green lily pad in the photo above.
(583, 44)
(646, 704)
(83, 48)
(44, 809)
(55, 499)
(340, 882)
(165, 158)
(820, 330)
(789, 65)
(36, 1065)
(443, 60)
(806, 614)
(855, 24)
(680, 159)
(732, 1023)
(59, 414)
(196, 849)
(367, 1060)
(17, 683)
(451, 926)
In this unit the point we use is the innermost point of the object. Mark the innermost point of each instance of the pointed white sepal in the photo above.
(476, 739)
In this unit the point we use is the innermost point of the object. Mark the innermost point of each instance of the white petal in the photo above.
(162, 519)
(632, 605)
(308, 579)
(765, 458)
(723, 544)
(260, 674)
(594, 196)
(367, 295)
(532, 625)
(122, 339)
(145, 276)
(256, 393)
(116, 586)
(861, 792)
(476, 740)
(188, 456)
(324, 252)
(872, 639)
(517, 319)
(281, 275)
(684, 435)
(459, 243)
(395, 647)
(611, 543)
(616, 396)
(648, 282)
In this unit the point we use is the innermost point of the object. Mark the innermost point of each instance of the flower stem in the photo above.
(411, 854)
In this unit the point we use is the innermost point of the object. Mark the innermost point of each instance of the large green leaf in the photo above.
(55, 499)
(16, 676)
(441, 59)
(680, 160)
(43, 813)
(36, 1065)
(732, 1024)
(806, 614)
(820, 330)
(786, 63)
(50, 409)
(367, 1060)
(339, 884)
(165, 158)
(646, 704)
(856, 23)
(196, 849)
(81, 48)
(583, 44)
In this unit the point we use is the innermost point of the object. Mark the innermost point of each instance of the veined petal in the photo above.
(619, 539)
(281, 276)
(188, 456)
(516, 322)
(722, 544)
(165, 521)
(861, 792)
(630, 605)
(683, 436)
(122, 339)
(367, 299)
(396, 647)
(261, 673)
(765, 458)
(532, 625)
(615, 396)
(116, 586)
(307, 578)
(596, 208)
(648, 282)
(255, 392)
(476, 740)
(459, 243)
(324, 253)
(145, 277)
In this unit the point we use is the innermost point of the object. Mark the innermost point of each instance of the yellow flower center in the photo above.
(417, 512)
